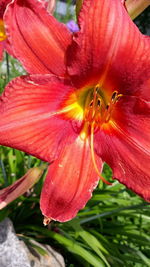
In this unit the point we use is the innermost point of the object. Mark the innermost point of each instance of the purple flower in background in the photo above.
(72, 26)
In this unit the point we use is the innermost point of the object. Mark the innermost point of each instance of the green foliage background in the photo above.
(112, 230)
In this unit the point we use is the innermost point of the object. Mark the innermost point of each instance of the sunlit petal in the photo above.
(29, 119)
(69, 182)
(104, 51)
(38, 39)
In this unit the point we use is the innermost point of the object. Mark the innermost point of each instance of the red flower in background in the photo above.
(85, 102)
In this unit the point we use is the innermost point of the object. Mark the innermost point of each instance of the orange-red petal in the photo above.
(39, 41)
(70, 181)
(109, 50)
(29, 119)
(125, 145)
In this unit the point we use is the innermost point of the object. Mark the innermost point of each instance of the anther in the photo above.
(98, 102)
(107, 107)
(114, 95)
(96, 88)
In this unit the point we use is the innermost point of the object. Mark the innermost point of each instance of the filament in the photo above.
(93, 155)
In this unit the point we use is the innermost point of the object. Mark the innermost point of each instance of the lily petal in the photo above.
(18, 188)
(29, 119)
(114, 59)
(125, 145)
(134, 7)
(39, 41)
(132, 115)
(69, 182)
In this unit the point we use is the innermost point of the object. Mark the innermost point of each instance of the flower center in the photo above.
(89, 109)
(96, 113)
(2, 31)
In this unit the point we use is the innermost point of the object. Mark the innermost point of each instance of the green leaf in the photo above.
(71, 245)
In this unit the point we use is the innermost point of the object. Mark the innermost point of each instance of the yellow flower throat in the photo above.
(2, 31)
(93, 110)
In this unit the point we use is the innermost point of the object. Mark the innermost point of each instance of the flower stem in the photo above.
(7, 66)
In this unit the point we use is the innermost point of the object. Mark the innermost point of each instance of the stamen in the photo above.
(107, 107)
(114, 95)
(97, 88)
(93, 155)
(118, 97)
(106, 114)
(98, 102)
(91, 103)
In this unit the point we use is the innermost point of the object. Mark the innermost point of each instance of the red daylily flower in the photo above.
(85, 102)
